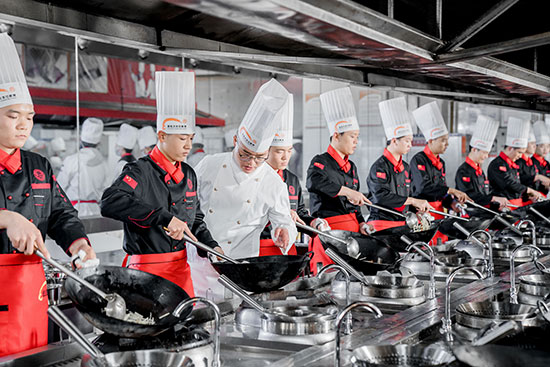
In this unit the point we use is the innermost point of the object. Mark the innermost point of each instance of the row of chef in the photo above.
(245, 207)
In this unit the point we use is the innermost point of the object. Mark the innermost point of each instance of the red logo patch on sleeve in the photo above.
(40, 176)
(466, 179)
(130, 181)
(291, 190)
(502, 168)
(421, 167)
(381, 175)
(319, 165)
(190, 184)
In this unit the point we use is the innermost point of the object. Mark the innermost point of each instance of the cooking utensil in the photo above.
(497, 217)
(352, 246)
(116, 305)
(203, 247)
(391, 236)
(343, 263)
(447, 227)
(539, 214)
(145, 293)
(264, 273)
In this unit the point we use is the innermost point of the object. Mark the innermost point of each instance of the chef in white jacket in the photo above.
(125, 143)
(239, 192)
(147, 139)
(85, 186)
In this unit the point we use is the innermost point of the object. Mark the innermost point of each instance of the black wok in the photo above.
(264, 273)
(374, 254)
(448, 229)
(392, 236)
(542, 206)
(144, 293)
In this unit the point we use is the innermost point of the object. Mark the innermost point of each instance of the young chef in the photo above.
(470, 177)
(332, 179)
(125, 143)
(32, 204)
(388, 180)
(528, 172)
(239, 193)
(503, 172)
(543, 148)
(279, 156)
(156, 197)
(85, 177)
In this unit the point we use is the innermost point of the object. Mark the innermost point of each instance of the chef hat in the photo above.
(13, 86)
(58, 144)
(199, 137)
(175, 91)
(541, 132)
(285, 123)
(127, 136)
(517, 134)
(484, 133)
(532, 137)
(91, 131)
(30, 143)
(258, 127)
(395, 117)
(339, 110)
(430, 121)
(146, 137)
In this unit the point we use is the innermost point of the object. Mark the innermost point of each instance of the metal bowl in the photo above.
(480, 314)
(401, 355)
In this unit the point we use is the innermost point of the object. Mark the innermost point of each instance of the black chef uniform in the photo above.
(505, 180)
(543, 167)
(471, 180)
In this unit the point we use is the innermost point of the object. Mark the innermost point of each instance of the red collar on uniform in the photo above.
(474, 165)
(126, 154)
(540, 159)
(508, 160)
(527, 160)
(398, 166)
(280, 173)
(344, 163)
(436, 161)
(11, 162)
(200, 150)
(173, 170)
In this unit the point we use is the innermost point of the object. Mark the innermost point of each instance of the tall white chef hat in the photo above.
(395, 117)
(430, 121)
(339, 110)
(175, 91)
(532, 137)
(13, 86)
(199, 136)
(517, 134)
(258, 127)
(484, 134)
(127, 136)
(91, 131)
(285, 123)
(541, 132)
(146, 137)
(58, 145)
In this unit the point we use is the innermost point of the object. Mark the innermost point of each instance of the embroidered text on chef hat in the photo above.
(175, 91)
(484, 133)
(395, 117)
(430, 121)
(13, 86)
(339, 110)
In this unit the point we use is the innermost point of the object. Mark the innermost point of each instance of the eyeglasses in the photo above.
(245, 157)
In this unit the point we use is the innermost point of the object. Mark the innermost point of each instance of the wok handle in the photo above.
(394, 212)
(202, 246)
(72, 275)
(448, 215)
(474, 204)
(64, 323)
(321, 233)
(343, 263)
(539, 214)
(497, 217)
(228, 283)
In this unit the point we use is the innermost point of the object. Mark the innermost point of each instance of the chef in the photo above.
(85, 182)
(58, 149)
(280, 153)
(147, 140)
(125, 143)
(32, 205)
(543, 148)
(388, 181)
(239, 193)
(528, 172)
(332, 179)
(470, 177)
(156, 196)
(503, 172)
(197, 151)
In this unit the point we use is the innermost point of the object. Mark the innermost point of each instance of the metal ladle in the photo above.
(203, 247)
(352, 246)
(116, 305)
(497, 217)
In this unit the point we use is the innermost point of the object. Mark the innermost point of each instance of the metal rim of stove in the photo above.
(397, 355)
(480, 314)
(319, 320)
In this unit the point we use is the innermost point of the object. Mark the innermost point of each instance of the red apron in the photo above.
(172, 266)
(519, 202)
(346, 222)
(437, 205)
(268, 248)
(23, 304)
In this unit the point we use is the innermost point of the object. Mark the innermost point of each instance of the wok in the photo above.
(374, 254)
(264, 273)
(473, 224)
(144, 293)
(391, 236)
(542, 206)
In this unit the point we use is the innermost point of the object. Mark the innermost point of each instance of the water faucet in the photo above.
(366, 306)
(533, 230)
(348, 281)
(447, 325)
(217, 322)
(513, 290)
(415, 246)
(488, 245)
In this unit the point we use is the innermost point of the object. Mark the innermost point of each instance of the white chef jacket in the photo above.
(238, 206)
(195, 158)
(94, 178)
